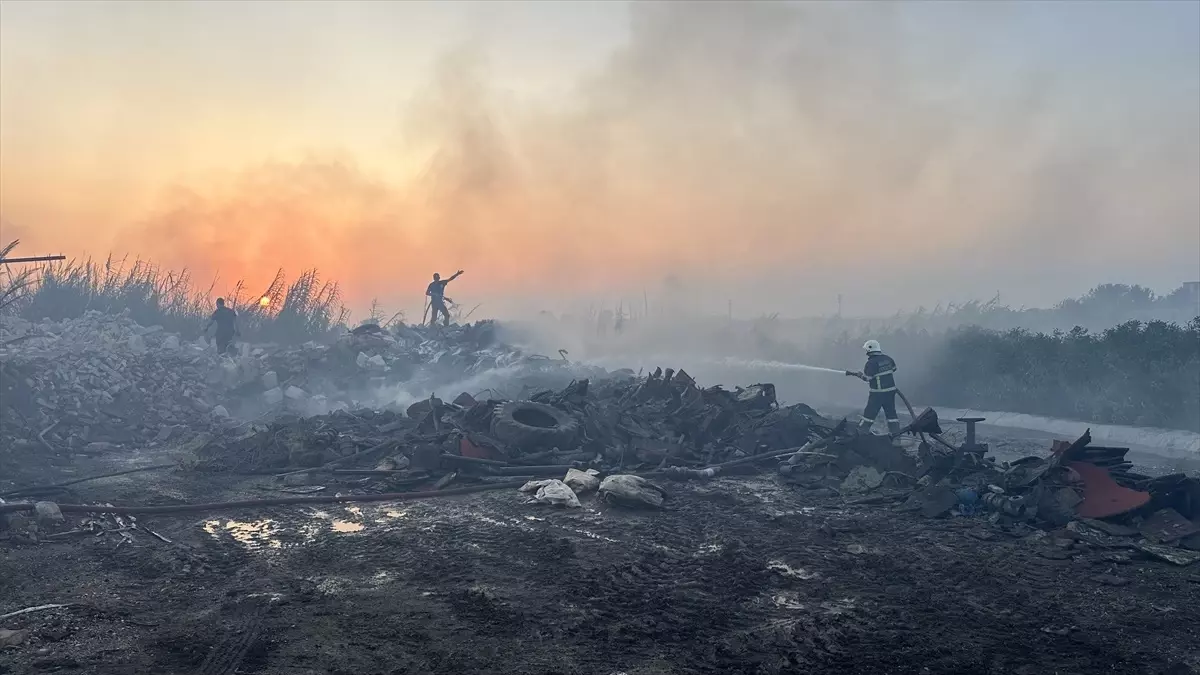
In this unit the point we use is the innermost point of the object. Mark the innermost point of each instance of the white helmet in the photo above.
(871, 346)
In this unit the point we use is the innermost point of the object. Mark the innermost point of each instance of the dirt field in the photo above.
(739, 576)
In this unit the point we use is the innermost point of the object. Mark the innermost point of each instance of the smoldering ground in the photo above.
(774, 154)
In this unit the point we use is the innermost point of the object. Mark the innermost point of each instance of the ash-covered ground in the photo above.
(860, 558)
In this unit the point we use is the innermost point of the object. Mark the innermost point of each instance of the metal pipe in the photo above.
(528, 470)
(472, 460)
(254, 503)
(43, 488)
(32, 259)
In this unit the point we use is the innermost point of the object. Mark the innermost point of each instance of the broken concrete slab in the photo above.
(13, 638)
(1167, 525)
(932, 502)
(1175, 556)
(1095, 537)
(862, 479)
(1111, 529)
(48, 514)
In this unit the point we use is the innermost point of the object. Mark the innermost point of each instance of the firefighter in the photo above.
(437, 298)
(880, 376)
(226, 322)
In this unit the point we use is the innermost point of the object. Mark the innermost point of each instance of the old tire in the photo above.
(525, 424)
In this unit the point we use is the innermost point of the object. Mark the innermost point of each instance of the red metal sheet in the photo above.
(1102, 496)
(468, 449)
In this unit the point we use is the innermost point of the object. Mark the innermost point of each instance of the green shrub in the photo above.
(1145, 374)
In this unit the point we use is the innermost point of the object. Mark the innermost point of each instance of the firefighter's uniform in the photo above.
(880, 376)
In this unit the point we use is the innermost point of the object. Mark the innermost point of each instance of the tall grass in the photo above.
(14, 285)
(306, 308)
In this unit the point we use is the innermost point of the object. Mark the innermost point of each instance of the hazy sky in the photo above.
(774, 154)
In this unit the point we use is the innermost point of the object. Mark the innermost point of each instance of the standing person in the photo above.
(437, 298)
(880, 376)
(226, 321)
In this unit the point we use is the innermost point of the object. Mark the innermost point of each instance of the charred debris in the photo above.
(605, 439)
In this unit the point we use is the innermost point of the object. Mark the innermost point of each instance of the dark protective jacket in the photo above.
(224, 318)
(437, 290)
(879, 372)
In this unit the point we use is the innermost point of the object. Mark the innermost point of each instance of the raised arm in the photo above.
(455, 275)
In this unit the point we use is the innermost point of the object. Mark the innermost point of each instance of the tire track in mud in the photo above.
(740, 583)
(228, 654)
(662, 585)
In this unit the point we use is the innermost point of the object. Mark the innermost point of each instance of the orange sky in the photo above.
(779, 154)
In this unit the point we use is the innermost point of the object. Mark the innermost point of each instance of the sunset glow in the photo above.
(741, 151)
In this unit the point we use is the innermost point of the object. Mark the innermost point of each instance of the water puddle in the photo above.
(254, 534)
(267, 533)
(349, 522)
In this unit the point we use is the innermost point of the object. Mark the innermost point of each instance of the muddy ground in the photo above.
(739, 576)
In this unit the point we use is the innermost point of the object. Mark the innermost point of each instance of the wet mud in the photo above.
(737, 576)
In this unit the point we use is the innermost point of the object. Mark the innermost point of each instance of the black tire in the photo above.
(528, 425)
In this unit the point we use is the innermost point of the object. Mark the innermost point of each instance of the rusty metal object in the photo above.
(1102, 496)
(467, 448)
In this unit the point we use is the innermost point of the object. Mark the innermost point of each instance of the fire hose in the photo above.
(911, 412)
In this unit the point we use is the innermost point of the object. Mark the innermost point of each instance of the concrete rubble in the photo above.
(101, 382)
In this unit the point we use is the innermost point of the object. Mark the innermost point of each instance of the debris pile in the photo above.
(1085, 493)
(101, 382)
(621, 423)
(98, 382)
